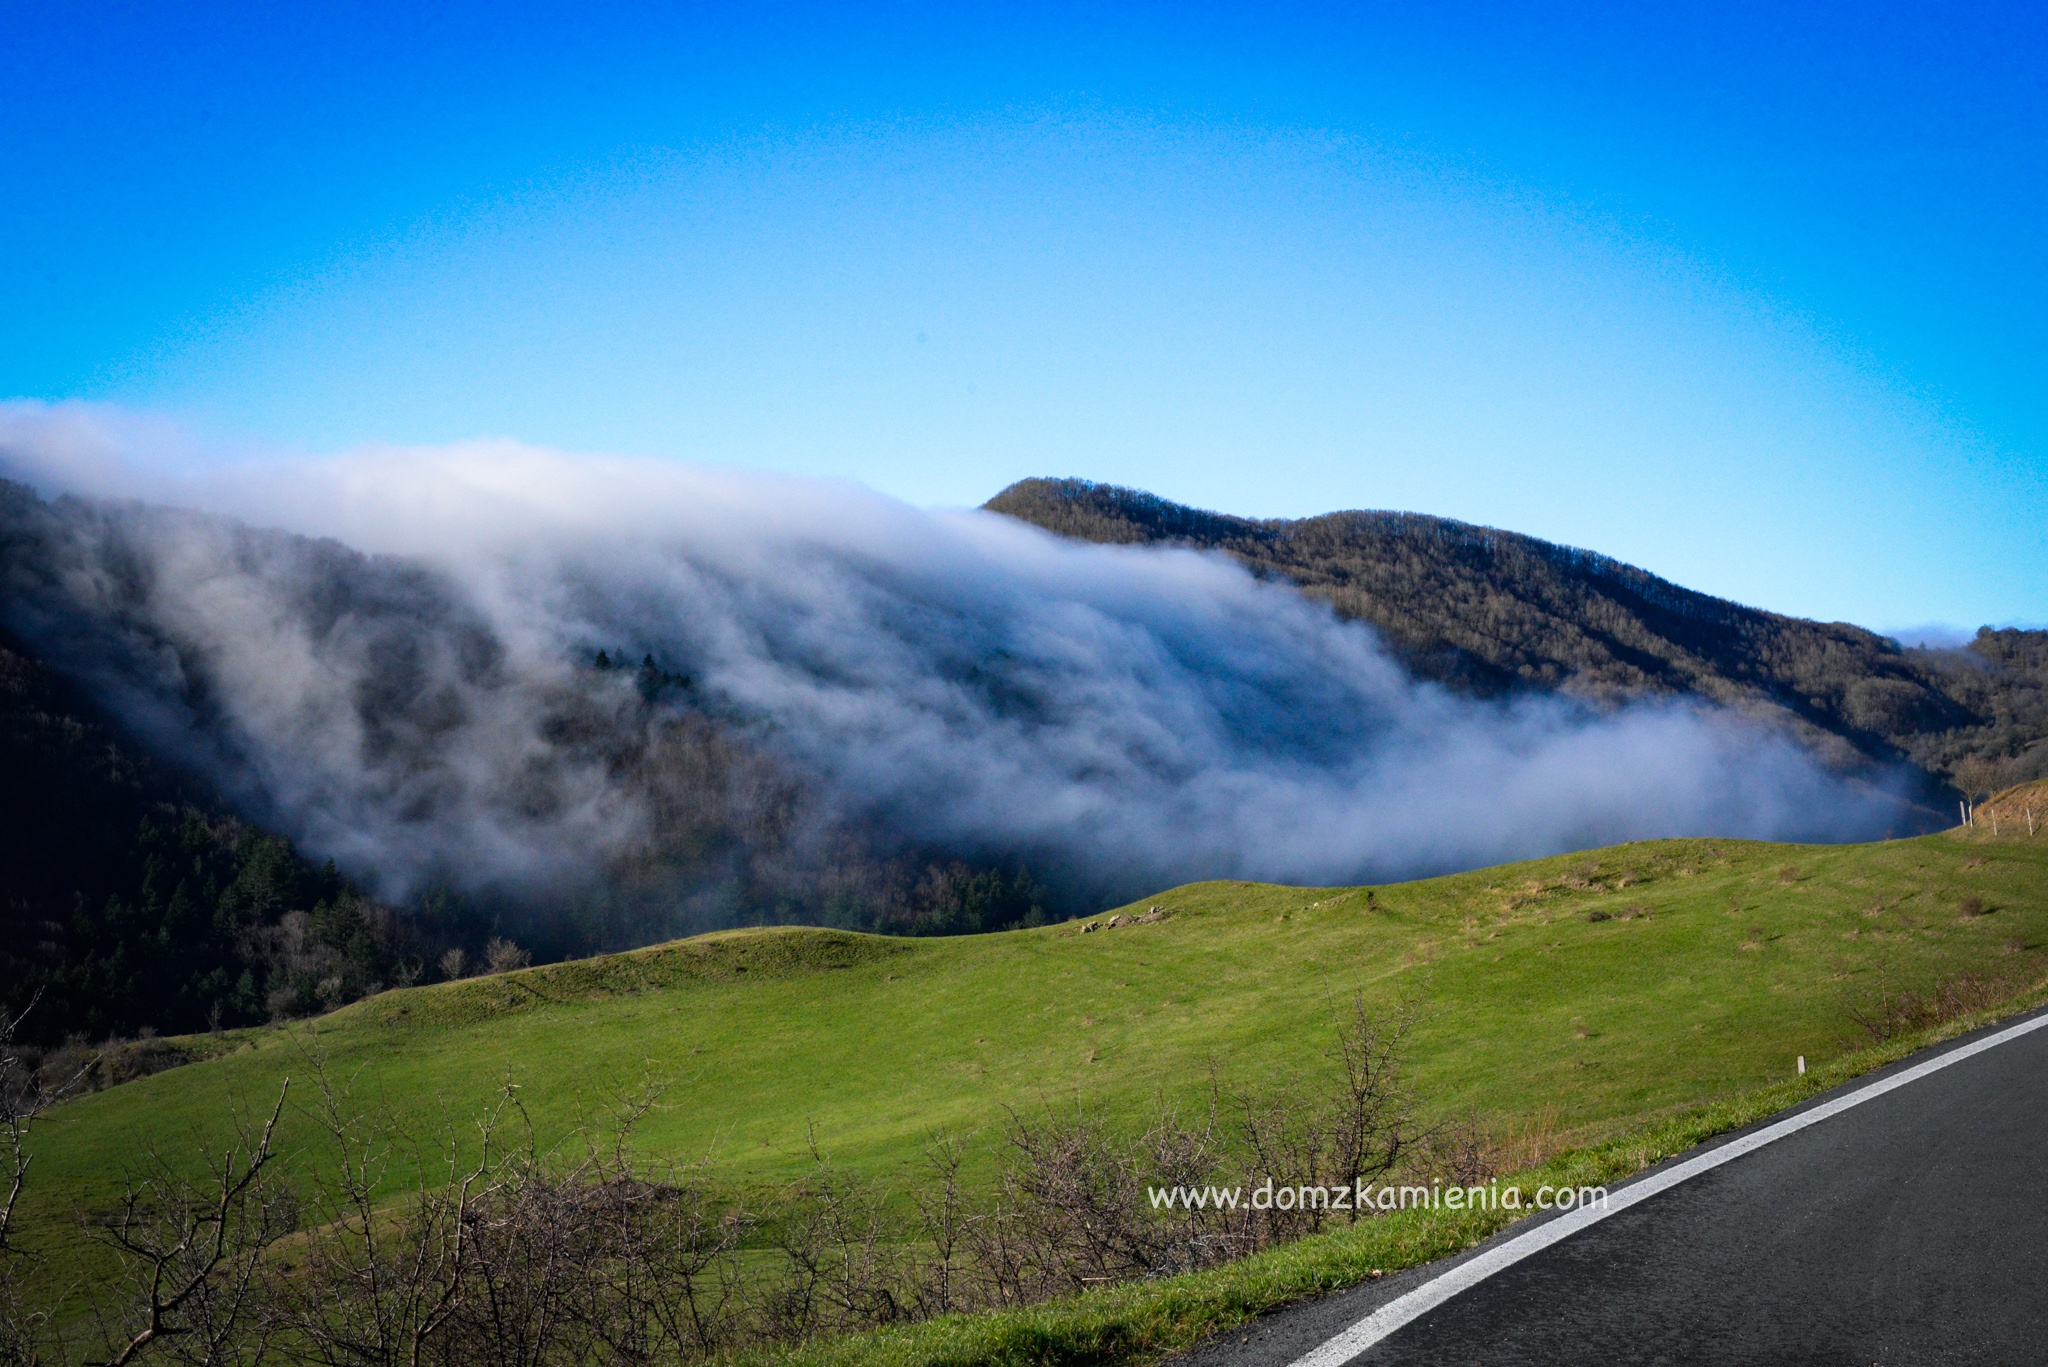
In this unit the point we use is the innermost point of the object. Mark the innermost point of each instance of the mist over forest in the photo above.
(639, 699)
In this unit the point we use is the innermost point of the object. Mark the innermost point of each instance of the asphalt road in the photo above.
(1911, 1229)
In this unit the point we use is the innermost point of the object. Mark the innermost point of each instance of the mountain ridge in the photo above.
(1491, 612)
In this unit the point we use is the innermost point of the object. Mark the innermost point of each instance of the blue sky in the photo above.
(1752, 295)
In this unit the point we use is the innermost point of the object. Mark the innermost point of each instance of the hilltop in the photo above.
(1487, 611)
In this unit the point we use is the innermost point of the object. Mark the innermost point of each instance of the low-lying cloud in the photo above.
(390, 655)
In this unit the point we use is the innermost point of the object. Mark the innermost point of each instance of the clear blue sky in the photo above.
(1754, 296)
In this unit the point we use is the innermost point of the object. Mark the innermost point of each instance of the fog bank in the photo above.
(390, 655)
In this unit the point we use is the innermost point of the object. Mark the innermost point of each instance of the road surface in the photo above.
(1910, 1228)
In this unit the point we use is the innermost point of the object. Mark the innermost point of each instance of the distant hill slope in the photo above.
(2021, 807)
(1488, 611)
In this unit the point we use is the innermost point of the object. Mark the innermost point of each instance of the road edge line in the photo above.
(1414, 1304)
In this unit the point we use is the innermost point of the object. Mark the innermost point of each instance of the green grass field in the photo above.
(1575, 997)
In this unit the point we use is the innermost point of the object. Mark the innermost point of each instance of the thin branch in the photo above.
(164, 1261)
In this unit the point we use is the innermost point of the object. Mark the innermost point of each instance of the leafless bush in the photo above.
(1075, 1206)
(502, 1253)
(592, 1262)
(374, 1279)
(193, 1257)
(503, 956)
(1178, 1153)
(29, 1086)
(671, 1277)
(842, 1268)
(1360, 1130)
(1885, 1013)
(943, 1280)
(1069, 1213)
(497, 1250)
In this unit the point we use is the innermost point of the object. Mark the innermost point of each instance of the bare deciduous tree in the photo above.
(26, 1091)
(194, 1254)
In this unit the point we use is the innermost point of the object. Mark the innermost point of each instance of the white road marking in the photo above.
(1414, 1304)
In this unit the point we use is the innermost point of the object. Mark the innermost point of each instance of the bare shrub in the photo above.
(500, 1251)
(841, 1269)
(509, 1255)
(503, 956)
(1885, 1014)
(942, 1281)
(1181, 1154)
(671, 1279)
(1972, 905)
(1069, 1214)
(376, 1278)
(1075, 1205)
(29, 1086)
(192, 1255)
(1359, 1131)
(77, 1066)
(1460, 1152)
(454, 964)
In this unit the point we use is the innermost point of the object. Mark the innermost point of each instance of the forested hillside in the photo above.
(134, 900)
(130, 902)
(1487, 612)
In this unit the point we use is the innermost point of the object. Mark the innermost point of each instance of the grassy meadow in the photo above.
(1563, 1001)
